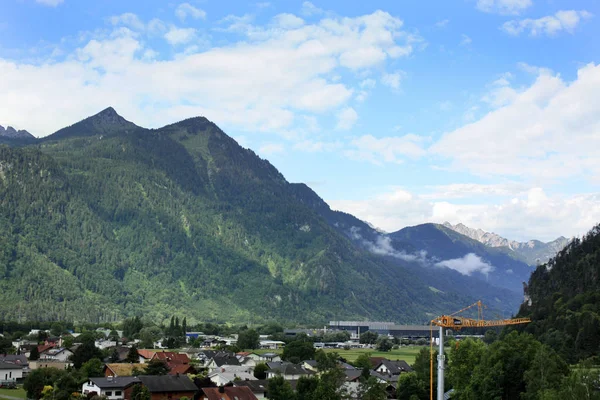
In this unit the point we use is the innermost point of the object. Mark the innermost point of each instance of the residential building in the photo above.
(288, 370)
(113, 387)
(224, 377)
(10, 372)
(258, 387)
(166, 387)
(227, 393)
(395, 368)
(60, 354)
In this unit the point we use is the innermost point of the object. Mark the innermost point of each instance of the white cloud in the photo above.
(185, 10)
(467, 265)
(465, 40)
(368, 83)
(270, 149)
(503, 7)
(386, 149)
(128, 19)
(346, 118)
(51, 3)
(546, 131)
(177, 36)
(310, 9)
(392, 80)
(550, 25)
(264, 4)
(287, 21)
(519, 213)
(261, 83)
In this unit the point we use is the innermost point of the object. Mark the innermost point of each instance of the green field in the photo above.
(12, 393)
(406, 353)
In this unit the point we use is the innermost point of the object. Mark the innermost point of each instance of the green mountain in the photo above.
(105, 219)
(565, 299)
(448, 247)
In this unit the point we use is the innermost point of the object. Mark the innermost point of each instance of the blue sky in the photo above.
(485, 112)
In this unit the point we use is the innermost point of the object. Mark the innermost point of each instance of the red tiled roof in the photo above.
(172, 358)
(44, 347)
(180, 369)
(147, 354)
(229, 393)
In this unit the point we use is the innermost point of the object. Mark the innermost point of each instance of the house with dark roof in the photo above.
(10, 372)
(220, 360)
(258, 386)
(167, 387)
(227, 393)
(112, 387)
(19, 360)
(288, 370)
(395, 367)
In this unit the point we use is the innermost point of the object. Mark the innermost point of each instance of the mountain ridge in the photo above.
(533, 251)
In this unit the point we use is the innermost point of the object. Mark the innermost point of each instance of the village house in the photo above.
(258, 387)
(227, 393)
(10, 372)
(17, 359)
(145, 356)
(223, 377)
(287, 370)
(221, 360)
(60, 354)
(270, 357)
(112, 387)
(271, 344)
(166, 387)
(393, 368)
(33, 365)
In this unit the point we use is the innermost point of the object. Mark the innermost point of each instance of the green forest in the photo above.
(106, 220)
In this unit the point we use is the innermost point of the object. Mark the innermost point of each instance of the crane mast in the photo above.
(457, 322)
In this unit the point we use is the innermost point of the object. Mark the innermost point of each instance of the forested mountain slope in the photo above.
(565, 299)
(106, 219)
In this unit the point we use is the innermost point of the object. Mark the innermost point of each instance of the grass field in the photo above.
(407, 353)
(12, 393)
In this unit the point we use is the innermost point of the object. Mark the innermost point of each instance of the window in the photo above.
(117, 393)
(108, 394)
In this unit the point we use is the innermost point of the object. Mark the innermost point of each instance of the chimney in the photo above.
(221, 389)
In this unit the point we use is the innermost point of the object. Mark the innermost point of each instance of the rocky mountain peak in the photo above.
(12, 133)
(533, 251)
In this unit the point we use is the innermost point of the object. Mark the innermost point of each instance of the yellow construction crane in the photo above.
(457, 322)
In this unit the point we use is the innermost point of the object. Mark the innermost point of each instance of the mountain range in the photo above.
(106, 219)
(533, 252)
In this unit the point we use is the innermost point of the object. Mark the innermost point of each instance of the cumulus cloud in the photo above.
(383, 247)
(309, 9)
(261, 83)
(185, 10)
(392, 149)
(550, 25)
(467, 265)
(392, 80)
(510, 210)
(346, 118)
(546, 131)
(177, 36)
(503, 7)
